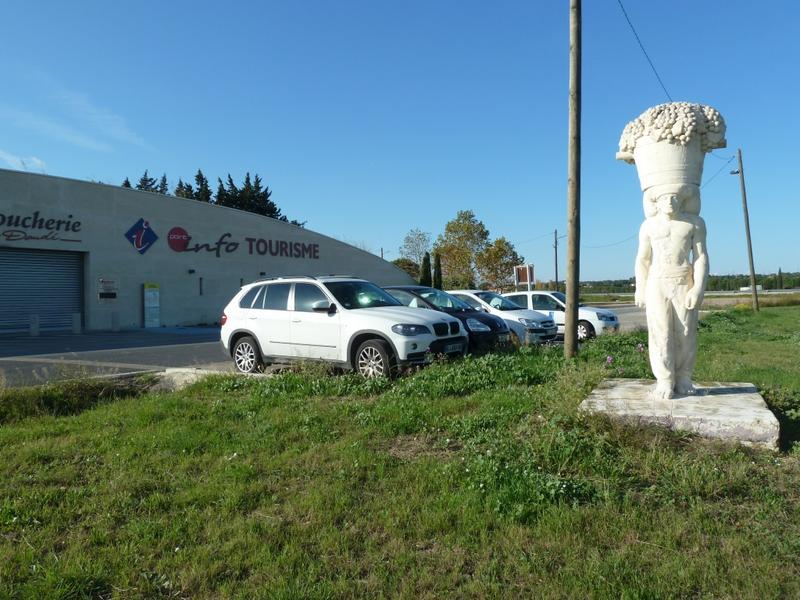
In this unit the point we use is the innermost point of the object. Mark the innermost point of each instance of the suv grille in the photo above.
(453, 328)
(440, 328)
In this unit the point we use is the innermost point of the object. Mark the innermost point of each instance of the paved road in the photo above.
(26, 360)
(29, 361)
(630, 316)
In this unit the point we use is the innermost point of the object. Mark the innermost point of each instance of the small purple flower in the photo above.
(640, 347)
(609, 359)
(620, 370)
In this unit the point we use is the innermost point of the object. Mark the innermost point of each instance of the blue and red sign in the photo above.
(141, 236)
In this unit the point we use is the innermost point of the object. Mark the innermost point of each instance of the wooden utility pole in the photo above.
(555, 253)
(753, 290)
(573, 182)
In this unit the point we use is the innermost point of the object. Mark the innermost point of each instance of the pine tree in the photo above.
(247, 200)
(184, 190)
(264, 202)
(163, 186)
(437, 271)
(232, 194)
(222, 196)
(126, 183)
(203, 191)
(425, 270)
(146, 183)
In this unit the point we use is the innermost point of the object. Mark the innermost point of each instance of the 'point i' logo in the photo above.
(141, 236)
(178, 239)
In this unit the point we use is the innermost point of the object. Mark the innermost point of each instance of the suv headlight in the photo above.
(475, 325)
(530, 323)
(410, 329)
(606, 317)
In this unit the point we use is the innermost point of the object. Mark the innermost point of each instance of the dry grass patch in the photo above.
(414, 447)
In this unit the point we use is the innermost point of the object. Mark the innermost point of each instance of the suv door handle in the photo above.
(252, 318)
(297, 320)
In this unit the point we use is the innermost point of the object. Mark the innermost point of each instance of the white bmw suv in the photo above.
(345, 321)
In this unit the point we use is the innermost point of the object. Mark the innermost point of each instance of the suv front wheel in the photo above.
(246, 355)
(374, 358)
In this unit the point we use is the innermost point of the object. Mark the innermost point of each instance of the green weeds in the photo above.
(477, 478)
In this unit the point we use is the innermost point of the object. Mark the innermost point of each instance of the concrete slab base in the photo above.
(725, 411)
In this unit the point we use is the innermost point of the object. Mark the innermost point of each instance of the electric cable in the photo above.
(636, 35)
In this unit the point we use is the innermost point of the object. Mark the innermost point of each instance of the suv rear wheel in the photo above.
(246, 355)
(375, 359)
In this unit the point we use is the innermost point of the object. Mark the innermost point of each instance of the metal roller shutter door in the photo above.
(40, 282)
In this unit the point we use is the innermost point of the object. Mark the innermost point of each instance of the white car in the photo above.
(591, 321)
(527, 326)
(345, 321)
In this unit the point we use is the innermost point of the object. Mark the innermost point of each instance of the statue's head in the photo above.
(672, 199)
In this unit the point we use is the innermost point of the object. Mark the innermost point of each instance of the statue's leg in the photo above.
(659, 318)
(685, 345)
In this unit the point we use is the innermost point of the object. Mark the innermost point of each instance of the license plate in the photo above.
(504, 337)
(453, 348)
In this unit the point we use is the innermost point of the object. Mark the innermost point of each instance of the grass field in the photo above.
(476, 479)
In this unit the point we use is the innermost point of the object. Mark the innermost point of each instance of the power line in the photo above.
(636, 35)
(710, 179)
(718, 157)
(613, 243)
(538, 237)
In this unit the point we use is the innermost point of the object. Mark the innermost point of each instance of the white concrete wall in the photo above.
(106, 213)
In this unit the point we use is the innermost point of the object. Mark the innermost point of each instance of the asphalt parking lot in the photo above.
(26, 360)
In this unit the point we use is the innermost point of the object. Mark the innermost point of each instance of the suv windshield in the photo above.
(496, 301)
(442, 300)
(360, 294)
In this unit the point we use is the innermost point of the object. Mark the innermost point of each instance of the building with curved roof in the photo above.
(76, 254)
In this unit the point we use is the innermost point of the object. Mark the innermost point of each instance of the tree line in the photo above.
(463, 256)
(251, 195)
(716, 283)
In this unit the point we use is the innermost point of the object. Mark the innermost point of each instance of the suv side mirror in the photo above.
(324, 306)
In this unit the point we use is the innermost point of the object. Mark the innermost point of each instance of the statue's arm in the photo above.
(644, 258)
(699, 266)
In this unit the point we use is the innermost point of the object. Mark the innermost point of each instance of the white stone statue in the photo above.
(668, 144)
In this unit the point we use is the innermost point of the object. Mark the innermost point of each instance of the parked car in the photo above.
(486, 332)
(527, 326)
(344, 321)
(591, 321)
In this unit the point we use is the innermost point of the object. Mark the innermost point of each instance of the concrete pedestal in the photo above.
(726, 411)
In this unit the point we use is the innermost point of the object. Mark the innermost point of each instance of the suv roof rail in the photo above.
(283, 277)
(339, 275)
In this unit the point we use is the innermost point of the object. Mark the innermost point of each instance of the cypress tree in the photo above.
(437, 271)
(425, 270)
(780, 279)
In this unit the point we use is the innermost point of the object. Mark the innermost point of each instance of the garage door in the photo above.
(40, 282)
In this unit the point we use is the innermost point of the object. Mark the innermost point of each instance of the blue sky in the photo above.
(370, 118)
